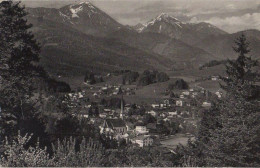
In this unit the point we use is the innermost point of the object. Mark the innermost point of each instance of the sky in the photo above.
(229, 15)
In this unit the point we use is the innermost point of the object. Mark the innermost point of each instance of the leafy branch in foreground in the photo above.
(65, 153)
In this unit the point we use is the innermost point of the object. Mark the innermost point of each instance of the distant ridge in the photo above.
(189, 33)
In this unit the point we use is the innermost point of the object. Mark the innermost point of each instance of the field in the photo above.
(153, 93)
(174, 141)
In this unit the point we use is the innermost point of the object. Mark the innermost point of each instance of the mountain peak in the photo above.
(85, 4)
(74, 10)
(165, 17)
(88, 18)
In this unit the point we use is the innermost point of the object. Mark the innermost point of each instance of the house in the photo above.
(80, 95)
(104, 88)
(214, 78)
(186, 93)
(141, 129)
(143, 140)
(163, 115)
(129, 126)
(182, 96)
(115, 128)
(219, 94)
(194, 94)
(167, 102)
(155, 105)
(107, 110)
(206, 104)
(152, 112)
(103, 115)
(166, 119)
(163, 105)
(179, 103)
(85, 115)
(172, 113)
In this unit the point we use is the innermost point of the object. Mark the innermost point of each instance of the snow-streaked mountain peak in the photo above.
(164, 17)
(75, 10)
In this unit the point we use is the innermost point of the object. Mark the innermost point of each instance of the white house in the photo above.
(102, 115)
(214, 78)
(152, 112)
(219, 94)
(206, 104)
(172, 113)
(80, 95)
(186, 93)
(141, 129)
(179, 103)
(143, 140)
(163, 115)
(85, 115)
(104, 88)
(155, 105)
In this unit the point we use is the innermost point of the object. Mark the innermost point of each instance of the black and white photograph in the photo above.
(129, 83)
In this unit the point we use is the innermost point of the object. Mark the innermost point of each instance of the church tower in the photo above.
(122, 108)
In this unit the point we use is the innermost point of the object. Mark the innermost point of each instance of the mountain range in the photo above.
(80, 36)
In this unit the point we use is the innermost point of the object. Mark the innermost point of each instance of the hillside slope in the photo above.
(181, 54)
(82, 16)
(68, 51)
(221, 46)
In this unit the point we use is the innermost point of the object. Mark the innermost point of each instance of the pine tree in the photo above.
(235, 139)
(19, 73)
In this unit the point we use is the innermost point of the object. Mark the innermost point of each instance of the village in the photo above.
(142, 125)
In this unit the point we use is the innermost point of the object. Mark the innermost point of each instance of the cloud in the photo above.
(234, 23)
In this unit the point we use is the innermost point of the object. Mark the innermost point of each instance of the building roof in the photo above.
(142, 137)
(151, 126)
(112, 123)
(140, 124)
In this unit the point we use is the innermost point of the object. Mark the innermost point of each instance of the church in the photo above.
(115, 127)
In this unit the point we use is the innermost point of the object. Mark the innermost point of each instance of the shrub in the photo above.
(130, 77)
(65, 153)
(17, 155)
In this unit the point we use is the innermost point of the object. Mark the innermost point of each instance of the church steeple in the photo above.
(122, 107)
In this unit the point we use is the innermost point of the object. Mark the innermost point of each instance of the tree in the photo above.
(234, 138)
(149, 77)
(21, 76)
(229, 131)
(90, 77)
(162, 77)
(130, 77)
(179, 84)
(148, 118)
(172, 95)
